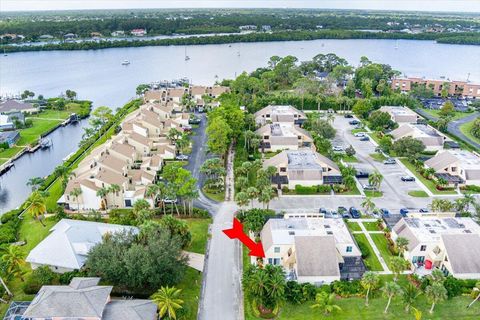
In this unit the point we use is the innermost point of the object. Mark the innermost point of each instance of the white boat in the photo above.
(186, 56)
(125, 63)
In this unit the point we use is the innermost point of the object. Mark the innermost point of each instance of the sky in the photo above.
(417, 5)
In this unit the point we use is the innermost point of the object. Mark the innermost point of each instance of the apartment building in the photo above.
(279, 113)
(314, 250)
(401, 114)
(460, 88)
(126, 164)
(431, 137)
(457, 167)
(175, 95)
(303, 167)
(449, 244)
(284, 136)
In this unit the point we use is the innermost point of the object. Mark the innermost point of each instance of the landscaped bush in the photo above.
(122, 216)
(364, 249)
(299, 189)
(8, 231)
(10, 215)
(347, 288)
(472, 188)
(297, 293)
(67, 277)
(39, 277)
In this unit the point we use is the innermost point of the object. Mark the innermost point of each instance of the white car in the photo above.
(182, 157)
(359, 134)
(338, 148)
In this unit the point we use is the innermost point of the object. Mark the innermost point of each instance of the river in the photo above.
(98, 75)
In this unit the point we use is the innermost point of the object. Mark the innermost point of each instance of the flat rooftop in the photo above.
(430, 229)
(398, 110)
(282, 130)
(281, 109)
(302, 159)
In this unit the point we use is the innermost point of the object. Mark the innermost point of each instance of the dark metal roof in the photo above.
(450, 178)
(332, 179)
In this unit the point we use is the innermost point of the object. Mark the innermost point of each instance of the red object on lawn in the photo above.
(428, 264)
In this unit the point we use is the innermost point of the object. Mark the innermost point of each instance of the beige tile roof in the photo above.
(110, 177)
(139, 138)
(441, 161)
(124, 149)
(316, 256)
(198, 90)
(463, 251)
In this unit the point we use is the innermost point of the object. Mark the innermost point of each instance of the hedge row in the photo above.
(299, 189)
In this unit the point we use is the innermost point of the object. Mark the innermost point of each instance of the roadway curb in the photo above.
(204, 273)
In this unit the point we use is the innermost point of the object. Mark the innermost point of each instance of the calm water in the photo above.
(100, 77)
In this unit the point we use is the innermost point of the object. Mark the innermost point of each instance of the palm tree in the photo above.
(155, 192)
(369, 282)
(375, 179)
(167, 299)
(76, 192)
(242, 182)
(429, 173)
(349, 181)
(437, 276)
(63, 173)
(390, 290)
(397, 266)
(114, 189)
(36, 206)
(266, 195)
(409, 296)
(368, 204)
(102, 194)
(435, 293)
(241, 198)
(252, 194)
(35, 182)
(326, 303)
(475, 294)
(468, 200)
(402, 245)
(14, 259)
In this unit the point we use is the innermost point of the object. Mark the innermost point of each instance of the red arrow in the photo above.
(256, 249)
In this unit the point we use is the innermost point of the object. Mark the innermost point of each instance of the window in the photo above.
(454, 169)
(291, 233)
(276, 249)
(349, 248)
(265, 137)
(270, 261)
(276, 261)
(128, 203)
(423, 248)
(283, 169)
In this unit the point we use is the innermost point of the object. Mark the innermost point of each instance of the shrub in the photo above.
(453, 286)
(67, 277)
(294, 293)
(38, 278)
(122, 216)
(346, 288)
(364, 249)
(10, 215)
(309, 291)
(471, 188)
(8, 231)
(299, 189)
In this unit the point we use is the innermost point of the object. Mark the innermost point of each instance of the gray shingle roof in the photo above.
(463, 252)
(316, 256)
(130, 310)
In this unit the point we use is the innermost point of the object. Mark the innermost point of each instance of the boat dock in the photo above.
(6, 166)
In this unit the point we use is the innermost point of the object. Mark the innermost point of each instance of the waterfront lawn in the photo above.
(199, 229)
(371, 262)
(353, 225)
(55, 192)
(418, 194)
(382, 246)
(371, 226)
(428, 183)
(466, 129)
(10, 152)
(39, 127)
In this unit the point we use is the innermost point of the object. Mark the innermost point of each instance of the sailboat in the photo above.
(186, 56)
(396, 44)
(4, 53)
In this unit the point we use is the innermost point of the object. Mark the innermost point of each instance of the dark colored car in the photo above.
(348, 116)
(354, 122)
(424, 210)
(362, 174)
(365, 138)
(194, 121)
(407, 178)
(404, 212)
(354, 212)
(385, 212)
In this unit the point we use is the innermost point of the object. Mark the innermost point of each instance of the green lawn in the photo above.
(39, 127)
(371, 262)
(466, 129)
(373, 194)
(379, 157)
(375, 137)
(418, 194)
(353, 131)
(347, 158)
(190, 286)
(219, 197)
(456, 115)
(371, 226)
(199, 230)
(381, 244)
(10, 152)
(428, 183)
(353, 226)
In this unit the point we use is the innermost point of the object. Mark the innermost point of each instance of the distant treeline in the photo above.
(466, 38)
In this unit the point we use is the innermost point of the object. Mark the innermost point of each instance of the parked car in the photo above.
(424, 210)
(354, 212)
(322, 210)
(334, 214)
(337, 148)
(364, 138)
(362, 174)
(359, 134)
(181, 157)
(354, 122)
(407, 178)
(194, 121)
(404, 212)
(385, 212)
(390, 161)
(348, 116)
(368, 187)
(169, 201)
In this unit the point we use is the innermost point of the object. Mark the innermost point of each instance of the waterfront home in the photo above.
(66, 248)
(400, 114)
(276, 113)
(118, 33)
(9, 137)
(84, 298)
(458, 88)
(138, 32)
(449, 244)
(303, 167)
(6, 123)
(431, 137)
(14, 106)
(457, 167)
(283, 136)
(314, 250)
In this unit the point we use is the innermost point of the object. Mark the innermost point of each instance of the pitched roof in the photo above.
(14, 105)
(68, 243)
(463, 251)
(130, 310)
(316, 256)
(441, 161)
